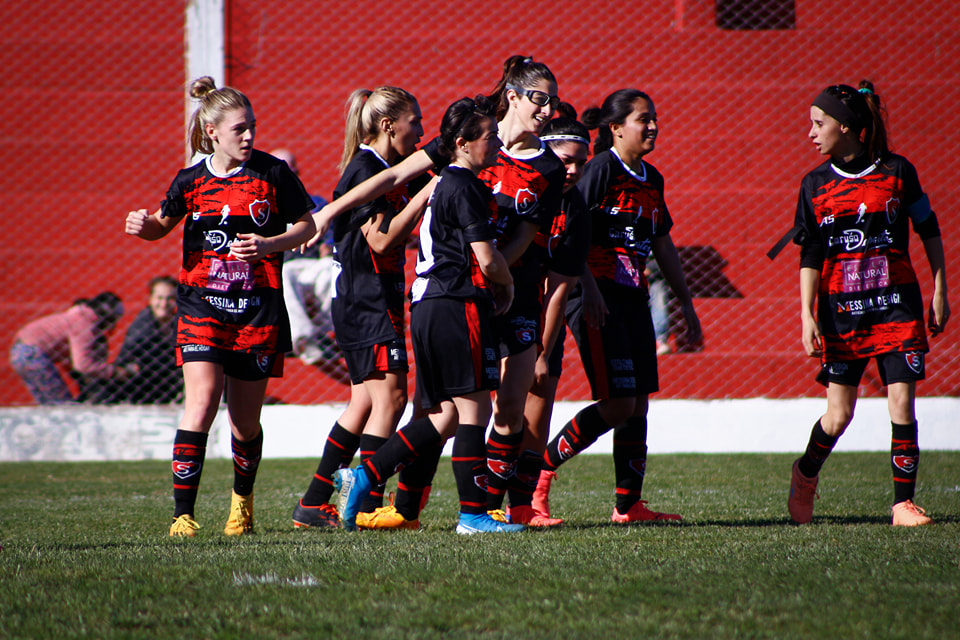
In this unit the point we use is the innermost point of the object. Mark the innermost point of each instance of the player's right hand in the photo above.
(135, 221)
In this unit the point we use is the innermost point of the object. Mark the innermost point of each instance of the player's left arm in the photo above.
(939, 306)
(669, 260)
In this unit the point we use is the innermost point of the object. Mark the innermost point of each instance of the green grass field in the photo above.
(85, 554)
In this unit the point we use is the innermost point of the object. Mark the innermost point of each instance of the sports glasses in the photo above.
(538, 98)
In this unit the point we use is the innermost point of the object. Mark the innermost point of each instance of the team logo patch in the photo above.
(260, 212)
(525, 336)
(893, 208)
(243, 463)
(525, 201)
(914, 360)
(501, 468)
(263, 362)
(481, 481)
(639, 467)
(907, 464)
(184, 469)
(564, 449)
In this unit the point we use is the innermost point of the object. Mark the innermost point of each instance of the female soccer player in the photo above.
(232, 330)
(383, 126)
(461, 281)
(629, 219)
(565, 247)
(528, 183)
(859, 296)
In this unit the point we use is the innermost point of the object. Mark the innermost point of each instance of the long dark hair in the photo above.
(520, 71)
(616, 107)
(463, 119)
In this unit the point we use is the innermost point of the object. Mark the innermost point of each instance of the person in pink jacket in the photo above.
(75, 338)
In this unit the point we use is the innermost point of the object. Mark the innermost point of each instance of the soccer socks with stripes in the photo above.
(401, 449)
(470, 468)
(368, 446)
(246, 461)
(503, 452)
(189, 451)
(337, 453)
(630, 460)
(904, 460)
(413, 482)
(524, 481)
(576, 435)
(818, 448)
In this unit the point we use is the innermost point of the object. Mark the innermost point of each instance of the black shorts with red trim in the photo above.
(454, 348)
(896, 366)
(386, 356)
(619, 358)
(236, 364)
(519, 328)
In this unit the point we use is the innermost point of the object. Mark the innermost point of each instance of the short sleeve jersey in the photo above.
(527, 189)
(566, 243)
(368, 294)
(856, 226)
(458, 214)
(627, 211)
(223, 302)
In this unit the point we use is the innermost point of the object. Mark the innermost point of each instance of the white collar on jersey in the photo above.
(526, 156)
(229, 174)
(366, 147)
(641, 178)
(867, 171)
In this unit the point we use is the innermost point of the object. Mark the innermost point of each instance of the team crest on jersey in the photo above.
(184, 469)
(893, 208)
(907, 464)
(914, 360)
(525, 200)
(260, 212)
(263, 361)
(501, 468)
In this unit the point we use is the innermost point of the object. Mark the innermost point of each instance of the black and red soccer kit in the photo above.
(222, 302)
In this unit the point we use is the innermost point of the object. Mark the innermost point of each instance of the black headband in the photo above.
(834, 107)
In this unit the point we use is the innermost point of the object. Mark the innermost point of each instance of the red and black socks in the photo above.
(369, 445)
(338, 451)
(470, 468)
(578, 434)
(246, 462)
(414, 480)
(524, 481)
(818, 448)
(630, 461)
(503, 452)
(401, 449)
(189, 451)
(904, 460)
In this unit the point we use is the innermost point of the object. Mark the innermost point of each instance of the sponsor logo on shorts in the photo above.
(837, 368)
(914, 360)
(621, 364)
(907, 464)
(195, 348)
(260, 212)
(184, 469)
(622, 382)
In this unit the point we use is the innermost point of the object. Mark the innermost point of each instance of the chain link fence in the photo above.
(94, 113)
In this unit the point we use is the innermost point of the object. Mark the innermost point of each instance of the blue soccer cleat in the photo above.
(353, 486)
(471, 523)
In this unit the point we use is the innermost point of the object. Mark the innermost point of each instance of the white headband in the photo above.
(566, 138)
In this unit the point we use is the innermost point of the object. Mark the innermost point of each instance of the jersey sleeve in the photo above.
(292, 198)
(174, 205)
(924, 220)
(596, 178)
(437, 157)
(812, 253)
(473, 206)
(570, 256)
(665, 222)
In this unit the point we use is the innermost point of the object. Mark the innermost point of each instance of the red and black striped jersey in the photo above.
(566, 243)
(627, 211)
(458, 213)
(223, 302)
(368, 294)
(855, 231)
(527, 189)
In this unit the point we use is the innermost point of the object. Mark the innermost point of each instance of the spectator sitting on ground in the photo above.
(75, 338)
